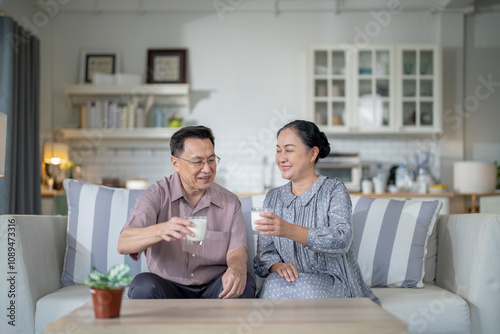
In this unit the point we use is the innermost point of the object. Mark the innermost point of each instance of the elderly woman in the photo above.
(304, 248)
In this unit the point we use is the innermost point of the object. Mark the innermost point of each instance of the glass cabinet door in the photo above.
(375, 88)
(418, 98)
(330, 87)
(374, 94)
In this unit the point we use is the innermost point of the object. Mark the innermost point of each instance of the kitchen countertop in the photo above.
(49, 193)
(406, 195)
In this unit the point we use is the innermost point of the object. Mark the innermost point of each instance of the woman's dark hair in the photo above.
(310, 135)
(180, 136)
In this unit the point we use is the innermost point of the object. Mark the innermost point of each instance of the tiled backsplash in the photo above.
(123, 160)
(247, 160)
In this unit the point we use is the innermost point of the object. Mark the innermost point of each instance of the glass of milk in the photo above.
(256, 216)
(199, 230)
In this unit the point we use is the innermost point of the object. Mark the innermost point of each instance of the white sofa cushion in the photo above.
(390, 239)
(429, 310)
(59, 303)
(96, 215)
(468, 248)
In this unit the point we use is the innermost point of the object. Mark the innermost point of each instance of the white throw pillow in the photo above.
(96, 215)
(390, 239)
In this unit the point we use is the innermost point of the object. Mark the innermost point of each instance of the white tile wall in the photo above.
(247, 158)
(123, 160)
(390, 150)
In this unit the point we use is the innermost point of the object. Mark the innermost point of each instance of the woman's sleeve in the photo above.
(267, 254)
(335, 238)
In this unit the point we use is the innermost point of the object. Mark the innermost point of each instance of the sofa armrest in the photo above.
(467, 264)
(31, 265)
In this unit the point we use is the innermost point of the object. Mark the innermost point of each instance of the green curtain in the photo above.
(20, 100)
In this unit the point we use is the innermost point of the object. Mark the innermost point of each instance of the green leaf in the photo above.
(118, 271)
(116, 277)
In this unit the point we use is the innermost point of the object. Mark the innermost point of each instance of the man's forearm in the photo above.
(237, 258)
(136, 240)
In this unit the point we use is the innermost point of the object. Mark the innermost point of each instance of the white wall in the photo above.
(250, 68)
(243, 71)
(482, 102)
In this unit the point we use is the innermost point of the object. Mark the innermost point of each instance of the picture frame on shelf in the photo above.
(98, 61)
(166, 66)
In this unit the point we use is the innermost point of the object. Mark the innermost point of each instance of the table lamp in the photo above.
(3, 142)
(474, 178)
(55, 153)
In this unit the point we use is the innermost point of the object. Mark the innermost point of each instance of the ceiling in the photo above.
(431, 5)
(276, 6)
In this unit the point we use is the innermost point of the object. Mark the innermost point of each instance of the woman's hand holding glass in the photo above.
(272, 224)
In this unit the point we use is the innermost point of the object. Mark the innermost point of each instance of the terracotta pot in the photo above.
(107, 302)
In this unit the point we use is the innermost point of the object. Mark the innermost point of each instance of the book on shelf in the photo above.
(103, 114)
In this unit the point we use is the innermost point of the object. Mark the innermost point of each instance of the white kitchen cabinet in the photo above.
(419, 105)
(375, 89)
(173, 96)
(330, 87)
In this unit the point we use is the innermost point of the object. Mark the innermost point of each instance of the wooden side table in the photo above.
(474, 208)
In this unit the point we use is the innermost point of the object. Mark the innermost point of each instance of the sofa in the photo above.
(460, 292)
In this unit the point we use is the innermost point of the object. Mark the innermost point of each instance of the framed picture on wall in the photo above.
(98, 61)
(166, 66)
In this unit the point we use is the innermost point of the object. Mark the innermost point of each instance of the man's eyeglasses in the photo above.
(212, 161)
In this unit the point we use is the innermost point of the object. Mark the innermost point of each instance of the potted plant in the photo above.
(107, 289)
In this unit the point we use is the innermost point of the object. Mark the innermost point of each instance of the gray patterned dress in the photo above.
(327, 265)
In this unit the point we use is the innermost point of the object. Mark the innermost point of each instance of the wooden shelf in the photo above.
(142, 89)
(175, 94)
(162, 95)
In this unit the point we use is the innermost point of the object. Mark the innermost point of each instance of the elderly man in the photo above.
(157, 226)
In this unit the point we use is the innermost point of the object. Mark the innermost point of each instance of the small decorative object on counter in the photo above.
(136, 184)
(380, 179)
(403, 179)
(424, 180)
(438, 188)
(140, 118)
(107, 289)
(111, 182)
(366, 182)
(175, 121)
(159, 116)
(367, 186)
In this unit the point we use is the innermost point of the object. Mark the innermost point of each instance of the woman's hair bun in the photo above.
(324, 148)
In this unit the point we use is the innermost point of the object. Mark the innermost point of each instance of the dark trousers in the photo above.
(152, 286)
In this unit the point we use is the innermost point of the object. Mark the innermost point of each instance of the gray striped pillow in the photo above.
(96, 215)
(390, 239)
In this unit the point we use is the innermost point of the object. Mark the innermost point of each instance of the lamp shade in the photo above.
(3, 142)
(474, 177)
(55, 153)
